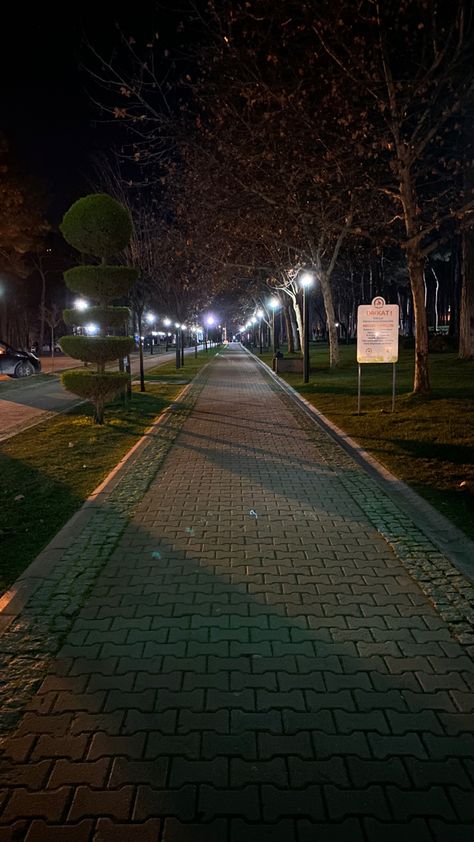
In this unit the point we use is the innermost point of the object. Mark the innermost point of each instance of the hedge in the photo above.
(97, 349)
(111, 317)
(97, 225)
(101, 283)
(93, 386)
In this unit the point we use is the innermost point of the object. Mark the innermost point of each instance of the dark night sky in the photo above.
(44, 108)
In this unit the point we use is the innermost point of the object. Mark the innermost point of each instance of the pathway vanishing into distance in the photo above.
(223, 647)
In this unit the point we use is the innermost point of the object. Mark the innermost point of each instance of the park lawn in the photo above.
(49, 470)
(427, 442)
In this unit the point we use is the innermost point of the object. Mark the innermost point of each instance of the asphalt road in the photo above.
(25, 403)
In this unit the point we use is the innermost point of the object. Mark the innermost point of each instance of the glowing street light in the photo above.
(81, 304)
(259, 314)
(91, 329)
(151, 320)
(274, 304)
(209, 321)
(178, 334)
(306, 281)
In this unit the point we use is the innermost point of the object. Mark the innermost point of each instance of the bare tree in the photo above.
(402, 72)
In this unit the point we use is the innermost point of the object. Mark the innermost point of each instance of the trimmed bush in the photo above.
(115, 317)
(97, 388)
(101, 283)
(97, 349)
(97, 225)
(100, 226)
(88, 384)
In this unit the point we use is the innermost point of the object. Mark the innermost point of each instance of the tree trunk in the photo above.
(289, 330)
(436, 301)
(42, 309)
(140, 352)
(128, 369)
(98, 412)
(330, 320)
(421, 383)
(416, 266)
(299, 324)
(466, 321)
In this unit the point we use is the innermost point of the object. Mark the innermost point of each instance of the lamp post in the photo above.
(273, 304)
(183, 328)
(79, 304)
(210, 321)
(260, 333)
(167, 324)
(178, 348)
(151, 319)
(253, 322)
(306, 281)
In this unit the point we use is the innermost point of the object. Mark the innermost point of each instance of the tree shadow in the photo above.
(457, 454)
(216, 675)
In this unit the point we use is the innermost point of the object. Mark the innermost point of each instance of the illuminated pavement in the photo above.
(239, 652)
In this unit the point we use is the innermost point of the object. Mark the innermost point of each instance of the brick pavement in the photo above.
(251, 660)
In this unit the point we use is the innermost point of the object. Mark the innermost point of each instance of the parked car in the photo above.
(17, 363)
(47, 349)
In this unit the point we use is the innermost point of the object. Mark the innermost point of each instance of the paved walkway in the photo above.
(240, 653)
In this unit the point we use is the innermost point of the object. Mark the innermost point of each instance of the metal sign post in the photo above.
(393, 386)
(377, 339)
(359, 378)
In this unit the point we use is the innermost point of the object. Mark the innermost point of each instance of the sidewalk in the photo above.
(222, 647)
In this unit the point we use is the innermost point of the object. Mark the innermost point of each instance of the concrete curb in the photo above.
(450, 540)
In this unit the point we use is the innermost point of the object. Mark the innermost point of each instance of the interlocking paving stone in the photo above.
(198, 673)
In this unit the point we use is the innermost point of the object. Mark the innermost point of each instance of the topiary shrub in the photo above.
(97, 349)
(100, 226)
(99, 389)
(97, 225)
(115, 317)
(101, 283)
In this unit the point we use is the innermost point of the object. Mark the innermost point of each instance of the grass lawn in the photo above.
(48, 471)
(427, 442)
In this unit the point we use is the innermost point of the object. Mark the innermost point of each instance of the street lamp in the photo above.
(167, 323)
(81, 304)
(259, 315)
(178, 347)
(151, 319)
(183, 329)
(210, 321)
(306, 281)
(273, 304)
